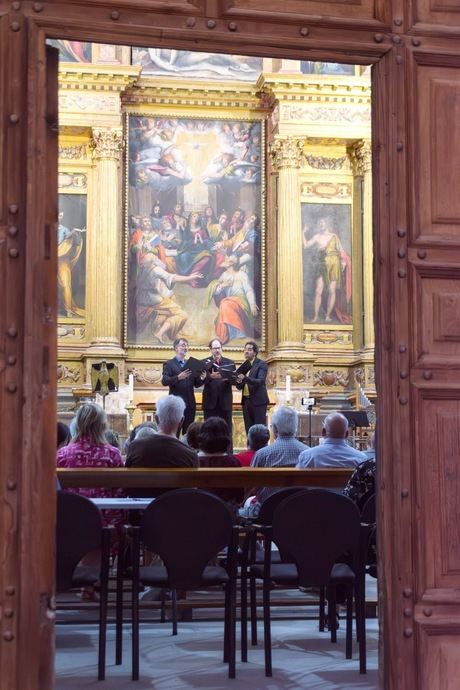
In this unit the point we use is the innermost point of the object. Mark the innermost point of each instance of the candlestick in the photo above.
(131, 387)
(130, 410)
(288, 388)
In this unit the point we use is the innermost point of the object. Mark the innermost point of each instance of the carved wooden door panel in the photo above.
(417, 245)
(28, 203)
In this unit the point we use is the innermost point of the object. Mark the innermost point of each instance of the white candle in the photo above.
(288, 388)
(131, 387)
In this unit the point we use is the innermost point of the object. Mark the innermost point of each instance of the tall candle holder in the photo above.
(130, 410)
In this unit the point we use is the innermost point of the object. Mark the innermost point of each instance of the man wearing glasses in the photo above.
(217, 380)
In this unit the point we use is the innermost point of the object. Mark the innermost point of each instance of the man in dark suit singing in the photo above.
(181, 382)
(252, 384)
(217, 380)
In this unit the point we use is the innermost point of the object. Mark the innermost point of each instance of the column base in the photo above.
(102, 346)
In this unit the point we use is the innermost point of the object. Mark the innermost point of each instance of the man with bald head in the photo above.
(334, 451)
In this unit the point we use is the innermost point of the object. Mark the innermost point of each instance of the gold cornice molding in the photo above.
(163, 92)
(286, 152)
(318, 88)
(107, 142)
(112, 78)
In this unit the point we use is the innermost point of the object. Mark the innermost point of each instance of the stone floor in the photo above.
(302, 658)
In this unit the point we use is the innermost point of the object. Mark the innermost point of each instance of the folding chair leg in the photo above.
(226, 624)
(253, 595)
(232, 632)
(174, 611)
(361, 625)
(244, 613)
(163, 606)
(332, 613)
(135, 611)
(267, 628)
(104, 593)
(349, 624)
(102, 631)
(119, 602)
(322, 606)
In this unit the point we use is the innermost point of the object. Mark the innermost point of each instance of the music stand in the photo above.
(356, 418)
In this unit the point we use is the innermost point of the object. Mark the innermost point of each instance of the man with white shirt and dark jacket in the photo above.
(181, 381)
(254, 399)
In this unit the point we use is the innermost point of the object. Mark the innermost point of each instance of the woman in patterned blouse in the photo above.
(89, 448)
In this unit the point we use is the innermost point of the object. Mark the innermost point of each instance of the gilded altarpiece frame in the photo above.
(74, 197)
(194, 229)
(328, 205)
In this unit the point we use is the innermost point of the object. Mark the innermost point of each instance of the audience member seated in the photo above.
(63, 434)
(113, 438)
(258, 437)
(370, 452)
(63, 437)
(215, 443)
(89, 448)
(191, 438)
(334, 451)
(283, 452)
(135, 431)
(361, 484)
(162, 448)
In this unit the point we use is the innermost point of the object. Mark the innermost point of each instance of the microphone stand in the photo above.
(310, 407)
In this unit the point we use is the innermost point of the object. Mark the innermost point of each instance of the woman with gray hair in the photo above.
(89, 448)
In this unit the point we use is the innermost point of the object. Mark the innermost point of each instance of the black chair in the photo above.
(251, 555)
(79, 530)
(315, 528)
(187, 528)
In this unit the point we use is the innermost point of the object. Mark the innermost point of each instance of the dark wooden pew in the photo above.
(203, 478)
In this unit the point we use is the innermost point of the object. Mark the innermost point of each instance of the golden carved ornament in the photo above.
(360, 376)
(149, 375)
(72, 152)
(66, 373)
(107, 143)
(360, 155)
(286, 153)
(298, 374)
(330, 378)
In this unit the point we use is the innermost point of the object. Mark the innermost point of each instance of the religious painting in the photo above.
(326, 239)
(193, 65)
(71, 51)
(334, 68)
(71, 249)
(193, 230)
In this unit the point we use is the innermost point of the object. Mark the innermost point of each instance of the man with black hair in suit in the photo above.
(217, 391)
(181, 381)
(254, 390)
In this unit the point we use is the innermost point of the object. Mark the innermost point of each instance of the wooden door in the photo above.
(28, 216)
(415, 47)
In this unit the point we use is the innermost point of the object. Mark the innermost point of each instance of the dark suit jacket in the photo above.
(218, 392)
(255, 380)
(184, 389)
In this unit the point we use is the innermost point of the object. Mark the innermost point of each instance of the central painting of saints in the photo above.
(193, 230)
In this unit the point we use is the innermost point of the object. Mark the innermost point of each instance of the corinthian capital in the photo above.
(286, 153)
(107, 143)
(361, 156)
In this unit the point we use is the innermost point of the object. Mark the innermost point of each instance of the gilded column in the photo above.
(105, 244)
(286, 155)
(361, 158)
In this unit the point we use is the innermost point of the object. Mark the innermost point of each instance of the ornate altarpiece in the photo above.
(317, 147)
